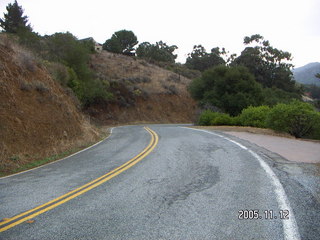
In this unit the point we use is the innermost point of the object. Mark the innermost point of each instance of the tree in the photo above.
(270, 66)
(200, 60)
(160, 52)
(65, 48)
(14, 21)
(121, 42)
(228, 88)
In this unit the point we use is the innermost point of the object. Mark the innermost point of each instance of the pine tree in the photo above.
(13, 20)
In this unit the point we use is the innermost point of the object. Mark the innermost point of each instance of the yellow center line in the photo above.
(83, 189)
(75, 190)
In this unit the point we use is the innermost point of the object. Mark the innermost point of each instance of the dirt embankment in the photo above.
(143, 92)
(37, 117)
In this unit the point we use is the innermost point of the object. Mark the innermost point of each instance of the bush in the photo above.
(58, 72)
(236, 121)
(273, 96)
(40, 87)
(316, 128)
(209, 118)
(254, 116)
(222, 119)
(297, 118)
(206, 117)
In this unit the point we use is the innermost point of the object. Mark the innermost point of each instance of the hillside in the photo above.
(37, 117)
(40, 118)
(143, 92)
(306, 74)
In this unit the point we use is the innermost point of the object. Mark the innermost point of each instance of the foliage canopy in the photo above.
(122, 42)
(14, 21)
(200, 60)
(228, 88)
(269, 65)
(160, 52)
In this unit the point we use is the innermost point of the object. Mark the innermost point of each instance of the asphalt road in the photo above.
(183, 184)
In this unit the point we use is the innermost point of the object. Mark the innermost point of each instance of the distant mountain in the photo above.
(306, 74)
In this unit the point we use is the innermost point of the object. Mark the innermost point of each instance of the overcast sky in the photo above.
(289, 25)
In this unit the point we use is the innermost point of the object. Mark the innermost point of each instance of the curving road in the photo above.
(161, 182)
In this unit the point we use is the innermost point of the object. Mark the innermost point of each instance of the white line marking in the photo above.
(290, 228)
(59, 159)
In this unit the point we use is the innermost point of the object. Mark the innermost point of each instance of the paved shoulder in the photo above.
(291, 149)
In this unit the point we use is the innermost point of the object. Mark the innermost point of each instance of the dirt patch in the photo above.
(160, 108)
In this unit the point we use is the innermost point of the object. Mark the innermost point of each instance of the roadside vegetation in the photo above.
(255, 88)
(296, 118)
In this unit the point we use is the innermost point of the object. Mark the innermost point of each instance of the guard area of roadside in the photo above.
(297, 150)
(291, 149)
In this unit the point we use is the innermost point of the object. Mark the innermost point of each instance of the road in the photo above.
(161, 182)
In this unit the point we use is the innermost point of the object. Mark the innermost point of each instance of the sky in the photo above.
(289, 25)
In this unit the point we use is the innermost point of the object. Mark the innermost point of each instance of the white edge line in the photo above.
(290, 228)
(29, 170)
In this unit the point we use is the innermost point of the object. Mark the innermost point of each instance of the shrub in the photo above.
(254, 116)
(59, 72)
(171, 89)
(272, 96)
(25, 86)
(297, 118)
(174, 78)
(316, 128)
(40, 87)
(236, 121)
(222, 119)
(206, 117)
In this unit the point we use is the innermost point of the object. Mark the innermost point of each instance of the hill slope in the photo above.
(142, 92)
(37, 117)
(40, 118)
(306, 74)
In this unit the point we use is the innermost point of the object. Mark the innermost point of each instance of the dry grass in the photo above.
(116, 67)
(38, 119)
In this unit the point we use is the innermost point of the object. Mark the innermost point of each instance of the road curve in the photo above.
(184, 184)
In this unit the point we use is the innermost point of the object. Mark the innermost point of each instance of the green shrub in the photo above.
(209, 118)
(297, 118)
(222, 119)
(236, 121)
(316, 128)
(206, 117)
(273, 96)
(254, 116)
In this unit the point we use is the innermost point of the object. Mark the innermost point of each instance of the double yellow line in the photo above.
(11, 222)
